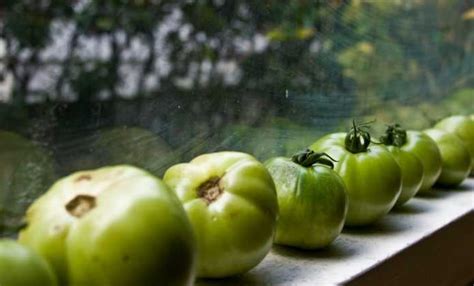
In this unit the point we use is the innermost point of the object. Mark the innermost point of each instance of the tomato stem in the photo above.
(357, 140)
(394, 135)
(308, 158)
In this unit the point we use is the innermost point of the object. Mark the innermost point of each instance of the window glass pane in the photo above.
(90, 83)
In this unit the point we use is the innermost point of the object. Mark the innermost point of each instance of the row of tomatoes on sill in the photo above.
(219, 214)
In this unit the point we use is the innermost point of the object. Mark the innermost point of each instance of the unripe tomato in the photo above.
(370, 173)
(311, 199)
(231, 202)
(112, 226)
(427, 151)
(463, 127)
(411, 167)
(456, 161)
(21, 266)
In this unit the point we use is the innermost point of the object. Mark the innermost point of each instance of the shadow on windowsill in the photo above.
(433, 194)
(335, 250)
(410, 208)
(385, 226)
(461, 188)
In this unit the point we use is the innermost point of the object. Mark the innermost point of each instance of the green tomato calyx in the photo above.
(357, 140)
(394, 135)
(80, 205)
(308, 158)
(210, 190)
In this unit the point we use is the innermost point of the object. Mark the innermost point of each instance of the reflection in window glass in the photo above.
(152, 83)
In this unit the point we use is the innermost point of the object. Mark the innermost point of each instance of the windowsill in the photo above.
(357, 253)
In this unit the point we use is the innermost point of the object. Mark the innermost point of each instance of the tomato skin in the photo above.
(412, 173)
(21, 266)
(427, 151)
(455, 157)
(231, 201)
(463, 127)
(134, 233)
(312, 203)
(372, 178)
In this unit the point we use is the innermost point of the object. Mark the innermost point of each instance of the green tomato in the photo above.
(411, 167)
(370, 173)
(21, 266)
(427, 151)
(112, 226)
(463, 127)
(456, 161)
(231, 202)
(412, 173)
(311, 199)
(26, 171)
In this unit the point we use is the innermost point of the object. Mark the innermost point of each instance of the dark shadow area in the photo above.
(244, 279)
(410, 208)
(461, 188)
(383, 226)
(269, 275)
(433, 194)
(253, 277)
(409, 266)
(334, 250)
